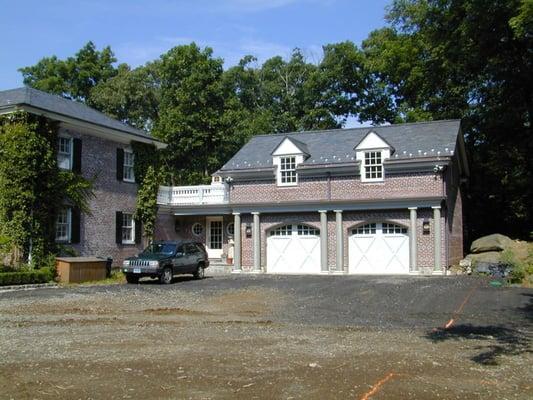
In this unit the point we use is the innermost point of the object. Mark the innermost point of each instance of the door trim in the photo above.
(213, 253)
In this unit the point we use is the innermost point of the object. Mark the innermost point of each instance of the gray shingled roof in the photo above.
(69, 108)
(412, 140)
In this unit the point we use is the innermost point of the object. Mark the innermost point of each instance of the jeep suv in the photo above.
(164, 259)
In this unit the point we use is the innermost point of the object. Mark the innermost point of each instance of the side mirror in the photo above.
(179, 254)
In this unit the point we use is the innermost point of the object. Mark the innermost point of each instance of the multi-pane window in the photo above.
(287, 168)
(230, 229)
(285, 230)
(368, 229)
(197, 229)
(63, 223)
(128, 166)
(373, 166)
(64, 153)
(304, 230)
(128, 228)
(393, 228)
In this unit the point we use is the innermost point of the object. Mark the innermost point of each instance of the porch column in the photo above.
(437, 235)
(412, 239)
(340, 241)
(257, 242)
(237, 267)
(323, 240)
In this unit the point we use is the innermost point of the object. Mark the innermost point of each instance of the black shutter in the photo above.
(138, 231)
(120, 164)
(76, 159)
(118, 227)
(75, 225)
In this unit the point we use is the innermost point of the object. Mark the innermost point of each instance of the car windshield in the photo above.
(161, 248)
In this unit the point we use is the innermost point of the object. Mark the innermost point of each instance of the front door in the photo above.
(214, 237)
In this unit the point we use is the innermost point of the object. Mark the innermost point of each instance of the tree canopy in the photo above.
(434, 59)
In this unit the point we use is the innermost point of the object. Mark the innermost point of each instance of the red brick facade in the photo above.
(97, 231)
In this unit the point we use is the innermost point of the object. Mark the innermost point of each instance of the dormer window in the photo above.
(373, 166)
(287, 171)
(287, 155)
(371, 152)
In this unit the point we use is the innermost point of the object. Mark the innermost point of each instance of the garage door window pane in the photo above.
(285, 230)
(393, 228)
(368, 229)
(304, 230)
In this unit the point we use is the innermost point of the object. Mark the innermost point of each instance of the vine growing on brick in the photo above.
(146, 209)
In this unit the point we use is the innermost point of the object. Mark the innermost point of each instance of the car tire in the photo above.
(132, 278)
(200, 272)
(166, 277)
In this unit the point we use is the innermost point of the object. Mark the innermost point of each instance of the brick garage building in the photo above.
(383, 200)
(99, 148)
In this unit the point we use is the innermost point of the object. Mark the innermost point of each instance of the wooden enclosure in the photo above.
(80, 269)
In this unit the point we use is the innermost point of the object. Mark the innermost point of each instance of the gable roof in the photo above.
(371, 131)
(67, 108)
(300, 145)
(411, 140)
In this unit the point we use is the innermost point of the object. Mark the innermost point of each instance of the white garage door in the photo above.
(379, 248)
(293, 249)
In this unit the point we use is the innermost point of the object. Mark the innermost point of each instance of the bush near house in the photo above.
(26, 276)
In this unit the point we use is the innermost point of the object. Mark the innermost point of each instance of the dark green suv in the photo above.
(164, 259)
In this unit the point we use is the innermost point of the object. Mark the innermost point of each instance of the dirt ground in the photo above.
(241, 341)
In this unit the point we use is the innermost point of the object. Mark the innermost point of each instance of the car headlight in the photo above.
(154, 263)
(126, 263)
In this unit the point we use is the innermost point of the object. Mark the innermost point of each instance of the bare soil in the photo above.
(234, 343)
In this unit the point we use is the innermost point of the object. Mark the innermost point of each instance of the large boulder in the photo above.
(489, 256)
(495, 242)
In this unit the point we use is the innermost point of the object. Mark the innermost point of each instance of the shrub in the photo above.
(23, 277)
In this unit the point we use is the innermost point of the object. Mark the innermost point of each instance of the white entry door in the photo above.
(214, 237)
(379, 248)
(293, 249)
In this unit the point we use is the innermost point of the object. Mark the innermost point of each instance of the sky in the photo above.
(141, 30)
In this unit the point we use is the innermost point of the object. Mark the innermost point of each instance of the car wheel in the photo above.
(200, 272)
(132, 278)
(166, 276)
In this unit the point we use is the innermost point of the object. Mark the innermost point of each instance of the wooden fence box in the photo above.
(80, 269)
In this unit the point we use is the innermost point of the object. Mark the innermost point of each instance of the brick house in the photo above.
(378, 200)
(99, 148)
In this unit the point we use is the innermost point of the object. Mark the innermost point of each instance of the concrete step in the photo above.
(218, 267)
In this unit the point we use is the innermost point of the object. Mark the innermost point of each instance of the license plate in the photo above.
(136, 270)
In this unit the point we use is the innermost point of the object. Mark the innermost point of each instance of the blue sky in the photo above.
(140, 30)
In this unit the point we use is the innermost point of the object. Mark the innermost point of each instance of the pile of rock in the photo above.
(486, 255)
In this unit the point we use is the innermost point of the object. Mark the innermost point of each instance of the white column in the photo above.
(412, 239)
(256, 235)
(437, 236)
(323, 240)
(237, 263)
(340, 241)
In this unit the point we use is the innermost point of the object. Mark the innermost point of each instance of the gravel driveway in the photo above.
(269, 337)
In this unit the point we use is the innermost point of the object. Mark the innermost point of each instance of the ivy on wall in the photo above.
(32, 188)
(145, 155)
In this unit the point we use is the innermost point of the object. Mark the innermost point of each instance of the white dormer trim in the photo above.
(286, 149)
(372, 143)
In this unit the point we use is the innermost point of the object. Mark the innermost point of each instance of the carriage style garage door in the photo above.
(293, 249)
(379, 248)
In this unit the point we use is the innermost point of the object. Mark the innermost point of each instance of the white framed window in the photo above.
(129, 160)
(373, 166)
(393, 229)
(230, 229)
(128, 229)
(285, 230)
(368, 229)
(304, 230)
(64, 153)
(197, 229)
(63, 225)
(287, 171)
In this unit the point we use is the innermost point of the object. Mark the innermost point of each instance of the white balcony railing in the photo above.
(192, 195)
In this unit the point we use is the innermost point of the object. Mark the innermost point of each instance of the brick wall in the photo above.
(97, 236)
(338, 188)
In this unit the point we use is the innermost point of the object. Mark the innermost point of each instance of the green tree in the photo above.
(146, 209)
(74, 77)
(472, 60)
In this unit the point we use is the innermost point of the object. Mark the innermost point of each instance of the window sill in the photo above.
(287, 184)
(128, 181)
(128, 242)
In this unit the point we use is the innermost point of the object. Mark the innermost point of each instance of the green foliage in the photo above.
(32, 189)
(146, 155)
(520, 269)
(25, 277)
(146, 209)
